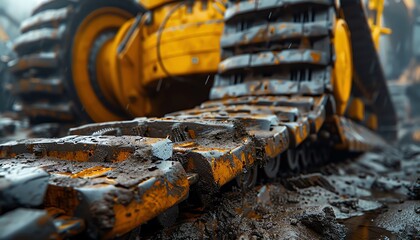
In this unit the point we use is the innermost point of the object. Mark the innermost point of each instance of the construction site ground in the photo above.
(375, 196)
(370, 196)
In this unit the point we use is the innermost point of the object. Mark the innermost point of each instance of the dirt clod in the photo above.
(324, 223)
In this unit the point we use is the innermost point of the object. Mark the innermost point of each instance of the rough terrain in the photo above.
(375, 196)
(372, 196)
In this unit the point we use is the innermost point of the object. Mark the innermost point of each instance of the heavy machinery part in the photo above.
(176, 42)
(248, 179)
(114, 183)
(375, 20)
(142, 159)
(96, 60)
(391, 23)
(47, 74)
(295, 159)
(272, 167)
(96, 31)
(369, 83)
(27, 223)
(273, 95)
(343, 66)
(152, 4)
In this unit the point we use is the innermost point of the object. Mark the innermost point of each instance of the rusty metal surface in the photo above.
(53, 86)
(89, 149)
(356, 137)
(271, 59)
(50, 17)
(58, 110)
(114, 183)
(33, 39)
(216, 149)
(66, 226)
(41, 86)
(249, 9)
(268, 87)
(53, 4)
(218, 140)
(36, 61)
(275, 32)
(15, 180)
(23, 223)
(27, 224)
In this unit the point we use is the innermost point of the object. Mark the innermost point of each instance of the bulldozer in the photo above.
(115, 60)
(274, 83)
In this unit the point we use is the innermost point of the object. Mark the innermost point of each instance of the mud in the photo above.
(126, 174)
(372, 197)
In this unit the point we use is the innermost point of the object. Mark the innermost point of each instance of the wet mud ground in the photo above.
(375, 196)
(371, 196)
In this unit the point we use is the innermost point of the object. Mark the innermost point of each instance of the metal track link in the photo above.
(276, 48)
(159, 158)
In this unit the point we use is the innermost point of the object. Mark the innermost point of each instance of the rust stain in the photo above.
(192, 134)
(64, 198)
(122, 156)
(316, 57)
(78, 156)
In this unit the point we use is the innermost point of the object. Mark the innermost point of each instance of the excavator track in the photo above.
(272, 101)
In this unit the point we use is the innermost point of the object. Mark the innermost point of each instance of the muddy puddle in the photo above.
(362, 227)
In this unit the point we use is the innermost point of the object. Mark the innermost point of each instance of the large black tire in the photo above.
(43, 68)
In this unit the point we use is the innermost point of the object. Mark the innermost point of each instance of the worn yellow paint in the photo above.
(93, 172)
(226, 168)
(97, 22)
(375, 21)
(316, 57)
(343, 66)
(161, 196)
(86, 156)
(151, 4)
(372, 122)
(182, 39)
(223, 169)
(356, 109)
